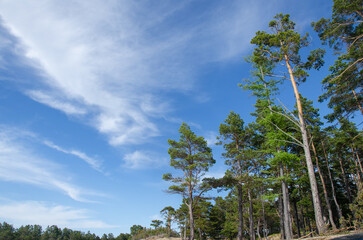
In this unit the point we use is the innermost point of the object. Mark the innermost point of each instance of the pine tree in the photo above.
(193, 157)
(283, 46)
(344, 33)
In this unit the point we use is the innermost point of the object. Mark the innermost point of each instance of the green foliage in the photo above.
(193, 157)
(149, 232)
(135, 229)
(344, 33)
(357, 208)
(284, 44)
(156, 223)
(169, 214)
(34, 232)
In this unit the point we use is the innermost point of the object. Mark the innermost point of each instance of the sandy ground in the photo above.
(344, 236)
(353, 235)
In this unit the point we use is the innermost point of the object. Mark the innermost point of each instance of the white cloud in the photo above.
(19, 164)
(211, 138)
(141, 160)
(115, 62)
(54, 102)
(44, 214)
(94, 163)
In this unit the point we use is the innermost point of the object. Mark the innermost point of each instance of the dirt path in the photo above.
(354, 235)
(357, 236)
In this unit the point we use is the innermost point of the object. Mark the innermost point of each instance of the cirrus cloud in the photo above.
(115, 64)
(46, 214)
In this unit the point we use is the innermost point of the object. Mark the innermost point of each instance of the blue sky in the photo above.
(91, 91)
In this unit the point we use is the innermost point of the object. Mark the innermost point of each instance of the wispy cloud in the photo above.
(117, 62)
(56, 102)
(142, 160)
(20, 164)
(94, 163)
(211, 138)
(45, 214)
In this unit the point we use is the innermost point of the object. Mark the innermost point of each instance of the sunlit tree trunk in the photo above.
(314, 187)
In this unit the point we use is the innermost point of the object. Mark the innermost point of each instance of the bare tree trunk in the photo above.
(358, 159)
(357, 101)
(240, 212)
(327, 202)
(252, 229)
(314, 187)
(345, 180)
(263, 215)
(258, 228)
(297, 218)
(281, 213)
(191, 216)
(332, 183)
(287, 214)
(185, 227)
(357, 164)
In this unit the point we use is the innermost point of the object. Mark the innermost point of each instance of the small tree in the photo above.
(156, 223)
(135, 229)
(193, 157)
(169, 214)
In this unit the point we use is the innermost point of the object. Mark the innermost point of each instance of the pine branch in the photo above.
(361, 59)
(297, 141)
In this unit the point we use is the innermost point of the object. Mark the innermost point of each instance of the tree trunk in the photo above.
(345, 180)
(258, 228)
(191, 216)
(357, 101)
(309, 224)
(252, 229)
(287, 215)
(240, 212)
(297, 218)
(303, 220)
(358, 159)
(185, 228)
(332, 183)
(281, 213)
(314, 187)
(327, 202)
(264, 229)
(357, 165)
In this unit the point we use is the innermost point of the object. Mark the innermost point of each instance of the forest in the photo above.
(292, 173)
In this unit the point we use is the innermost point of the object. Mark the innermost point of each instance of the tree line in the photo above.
(35, 232)
(288, 171)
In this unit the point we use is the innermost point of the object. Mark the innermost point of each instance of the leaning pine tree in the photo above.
(193, 157)
(282, 46)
